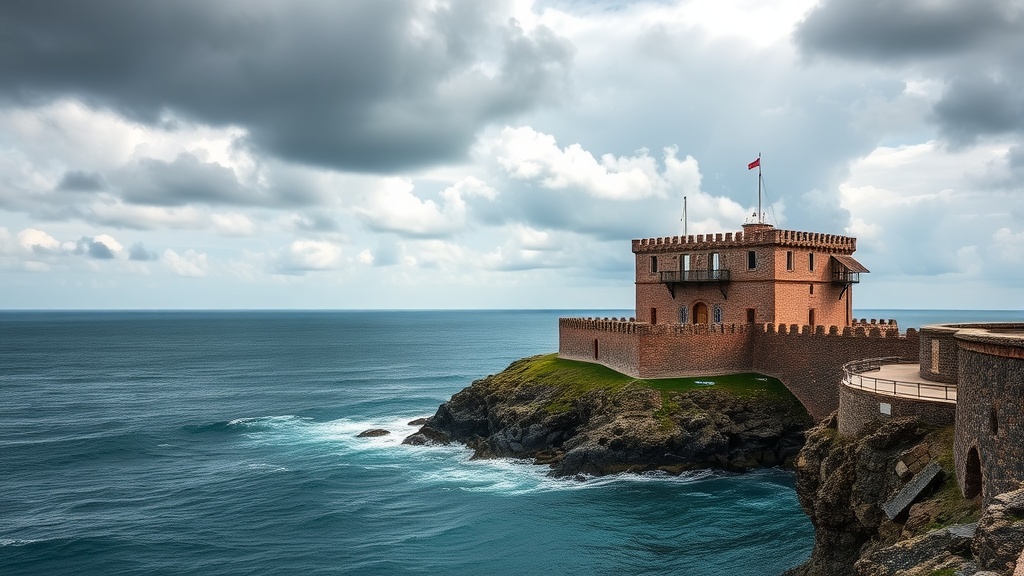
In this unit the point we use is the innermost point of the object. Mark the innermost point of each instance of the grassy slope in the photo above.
(573, 379)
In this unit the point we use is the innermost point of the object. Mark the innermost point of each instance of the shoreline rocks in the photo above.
(844, 484)
(632, 429)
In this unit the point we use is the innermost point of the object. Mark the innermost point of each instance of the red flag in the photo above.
(754, 164)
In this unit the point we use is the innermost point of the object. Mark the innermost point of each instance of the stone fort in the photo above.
(780, 302)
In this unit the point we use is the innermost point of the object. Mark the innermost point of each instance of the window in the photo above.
(654, 264)
(994, 421)
(684, 314)
(750, 315)
(654, 315)
(684, 263)
(714, 265)
(716, 314)
(810, 261)
(596, 349)
(885, 408)
(812, 288)
(751, 259)
(810, 317)
(789, 259)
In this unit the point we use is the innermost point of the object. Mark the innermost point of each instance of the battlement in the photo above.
(631, 326)
(862, 328)
(769, 236)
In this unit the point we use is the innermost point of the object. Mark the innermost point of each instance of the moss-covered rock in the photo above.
(582, 418)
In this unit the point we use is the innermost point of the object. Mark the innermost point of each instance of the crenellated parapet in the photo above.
(861, 329)
(770, 236)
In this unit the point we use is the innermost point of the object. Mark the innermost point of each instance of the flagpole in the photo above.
(760, 215)
(684, 216)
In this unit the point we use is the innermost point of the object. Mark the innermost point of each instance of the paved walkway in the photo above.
(902, 380)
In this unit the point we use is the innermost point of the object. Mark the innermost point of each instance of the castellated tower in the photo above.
(759, 275)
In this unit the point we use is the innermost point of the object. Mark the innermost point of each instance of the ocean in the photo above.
(223, 443)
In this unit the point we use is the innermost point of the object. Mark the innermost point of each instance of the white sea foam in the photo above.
(449, 466)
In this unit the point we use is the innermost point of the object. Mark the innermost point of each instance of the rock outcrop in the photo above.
(577, 429)
(846, 485)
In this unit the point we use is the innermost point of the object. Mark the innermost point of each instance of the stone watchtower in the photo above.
(759, 275)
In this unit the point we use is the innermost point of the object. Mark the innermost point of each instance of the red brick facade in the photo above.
(809, 362)
(759, 275)
(710, 304)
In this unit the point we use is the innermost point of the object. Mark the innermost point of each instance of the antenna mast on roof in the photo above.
(684, 216)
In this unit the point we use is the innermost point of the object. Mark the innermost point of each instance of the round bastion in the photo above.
(989, 444)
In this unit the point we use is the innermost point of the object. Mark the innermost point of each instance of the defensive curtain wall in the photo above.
(809, 361)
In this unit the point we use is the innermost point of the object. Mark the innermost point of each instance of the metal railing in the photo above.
(854, 376)
(717, 275)
(845, 277)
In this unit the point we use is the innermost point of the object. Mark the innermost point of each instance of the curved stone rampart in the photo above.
(989, 444)
(857, 408)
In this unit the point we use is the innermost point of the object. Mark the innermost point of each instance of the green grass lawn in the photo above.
(579, 377)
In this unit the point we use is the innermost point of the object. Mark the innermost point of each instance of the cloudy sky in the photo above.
(497, 154)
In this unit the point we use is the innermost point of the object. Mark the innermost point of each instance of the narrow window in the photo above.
(994, 421)
(789, 259)
(684, 315)
(714, 265)
(750, 315)
(812, 288)
(685, 264)
(595, 349)
(810, 317)
(751, 259)
(654, 315)
(810, 261)
(654, 264)
(717, 313)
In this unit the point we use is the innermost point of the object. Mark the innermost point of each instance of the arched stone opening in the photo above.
(972, 474)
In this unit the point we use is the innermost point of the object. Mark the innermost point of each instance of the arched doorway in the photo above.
(700, 313)
(972, 474)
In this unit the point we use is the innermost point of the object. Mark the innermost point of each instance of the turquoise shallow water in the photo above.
(224, 443)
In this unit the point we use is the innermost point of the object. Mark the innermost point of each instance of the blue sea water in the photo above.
(223, 443)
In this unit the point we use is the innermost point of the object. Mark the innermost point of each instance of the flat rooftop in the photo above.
(904, 381)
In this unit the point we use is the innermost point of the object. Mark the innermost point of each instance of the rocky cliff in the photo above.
(886, 503)
(585, 419)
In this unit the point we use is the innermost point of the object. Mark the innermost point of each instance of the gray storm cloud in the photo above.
(364, 86)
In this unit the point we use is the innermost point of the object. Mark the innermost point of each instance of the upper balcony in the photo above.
(694, 276)
(673, 278)
(846, 270)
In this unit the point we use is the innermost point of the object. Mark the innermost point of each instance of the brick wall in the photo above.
(858, 407)
(811, 363)
(701, 350)
(808, 361)
(617, 342)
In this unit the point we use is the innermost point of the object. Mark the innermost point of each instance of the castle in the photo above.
(779, 302)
